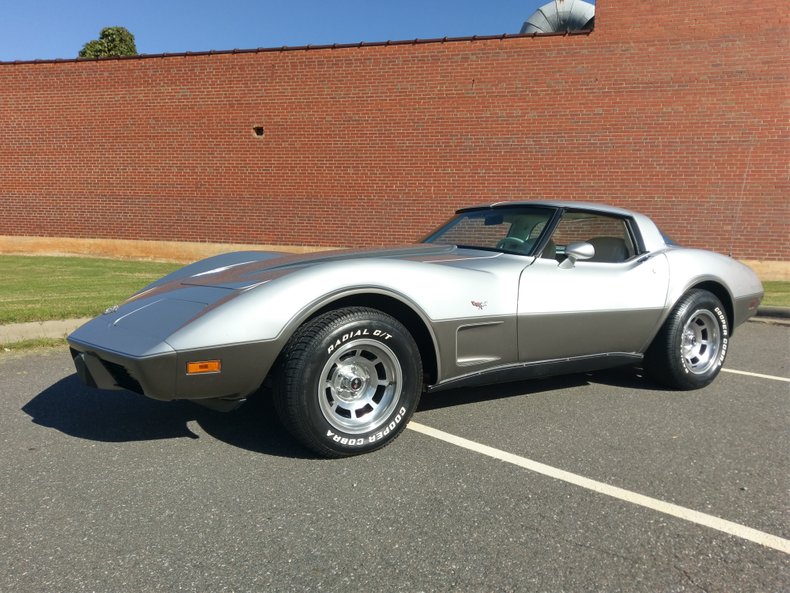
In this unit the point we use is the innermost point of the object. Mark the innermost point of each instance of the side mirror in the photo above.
(577, 252)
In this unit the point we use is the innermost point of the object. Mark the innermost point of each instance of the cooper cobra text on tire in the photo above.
(348, 381)
(691, 346)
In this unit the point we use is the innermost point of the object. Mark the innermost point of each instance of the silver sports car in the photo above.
(349, 340)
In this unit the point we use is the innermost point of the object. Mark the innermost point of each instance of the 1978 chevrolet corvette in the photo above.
(350, 339)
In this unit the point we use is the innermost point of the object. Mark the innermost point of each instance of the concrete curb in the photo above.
(19, 332)
(776, 312)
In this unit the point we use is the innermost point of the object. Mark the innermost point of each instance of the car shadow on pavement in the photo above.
(121, 416)
(626, 378)
(472, 395)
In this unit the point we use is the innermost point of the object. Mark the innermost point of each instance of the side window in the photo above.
(607, 234)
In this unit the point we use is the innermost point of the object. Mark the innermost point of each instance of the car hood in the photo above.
(249, 269)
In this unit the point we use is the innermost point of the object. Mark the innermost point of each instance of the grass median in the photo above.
(777, 294)
(42, 288)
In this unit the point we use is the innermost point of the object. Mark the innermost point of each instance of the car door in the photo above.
(610, 303)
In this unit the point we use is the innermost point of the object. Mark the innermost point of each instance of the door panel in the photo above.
(591, 308)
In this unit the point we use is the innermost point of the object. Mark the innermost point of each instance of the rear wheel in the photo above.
(691, 346)
(348, 381)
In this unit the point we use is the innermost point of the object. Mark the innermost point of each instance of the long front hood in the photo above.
(141, 326)
(181, 310)
(255, 268)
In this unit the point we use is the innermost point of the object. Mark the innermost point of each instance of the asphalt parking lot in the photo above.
(109, 491)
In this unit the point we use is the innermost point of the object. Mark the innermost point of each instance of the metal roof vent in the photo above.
(559, 16)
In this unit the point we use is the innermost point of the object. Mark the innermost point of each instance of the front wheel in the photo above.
(348, 381)
(691, 346)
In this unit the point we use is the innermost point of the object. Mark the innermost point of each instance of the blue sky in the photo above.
(46, 29)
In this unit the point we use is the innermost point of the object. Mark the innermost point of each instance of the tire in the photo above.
(348, 381)
(691, 346)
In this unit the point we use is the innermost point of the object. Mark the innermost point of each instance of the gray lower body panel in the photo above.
(585, 333)
(164, 377)
(745, 307)
(534, 370)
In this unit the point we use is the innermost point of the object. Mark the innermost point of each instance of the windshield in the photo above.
(511, 230)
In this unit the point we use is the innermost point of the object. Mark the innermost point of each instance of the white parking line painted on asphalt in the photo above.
(741, 531)
(758, 375)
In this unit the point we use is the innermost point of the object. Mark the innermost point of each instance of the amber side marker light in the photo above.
(203, 367)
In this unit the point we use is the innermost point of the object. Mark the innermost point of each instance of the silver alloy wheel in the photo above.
(360, 386)
(701, 342)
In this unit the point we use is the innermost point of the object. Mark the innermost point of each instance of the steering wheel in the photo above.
(510, 243)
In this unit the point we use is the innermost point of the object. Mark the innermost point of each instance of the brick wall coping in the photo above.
(283, 48)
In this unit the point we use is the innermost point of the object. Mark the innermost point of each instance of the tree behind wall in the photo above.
(112, 42)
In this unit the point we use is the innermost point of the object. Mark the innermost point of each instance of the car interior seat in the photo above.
(608, 250)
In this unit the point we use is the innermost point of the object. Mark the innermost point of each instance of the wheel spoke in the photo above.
(362, 386)
(701, 340)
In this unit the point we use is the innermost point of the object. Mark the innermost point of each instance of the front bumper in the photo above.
(130, 348)
(153, 376)
(164, 376)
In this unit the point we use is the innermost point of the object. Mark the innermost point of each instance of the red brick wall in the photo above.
(679, 111)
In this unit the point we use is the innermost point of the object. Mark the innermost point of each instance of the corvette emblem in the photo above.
(480, 304)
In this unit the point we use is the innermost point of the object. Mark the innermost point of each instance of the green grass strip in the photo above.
(777, 293)
(36, 344)
(41, 288)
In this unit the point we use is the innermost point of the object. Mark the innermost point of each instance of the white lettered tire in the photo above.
(348, 381)
(691, 346)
